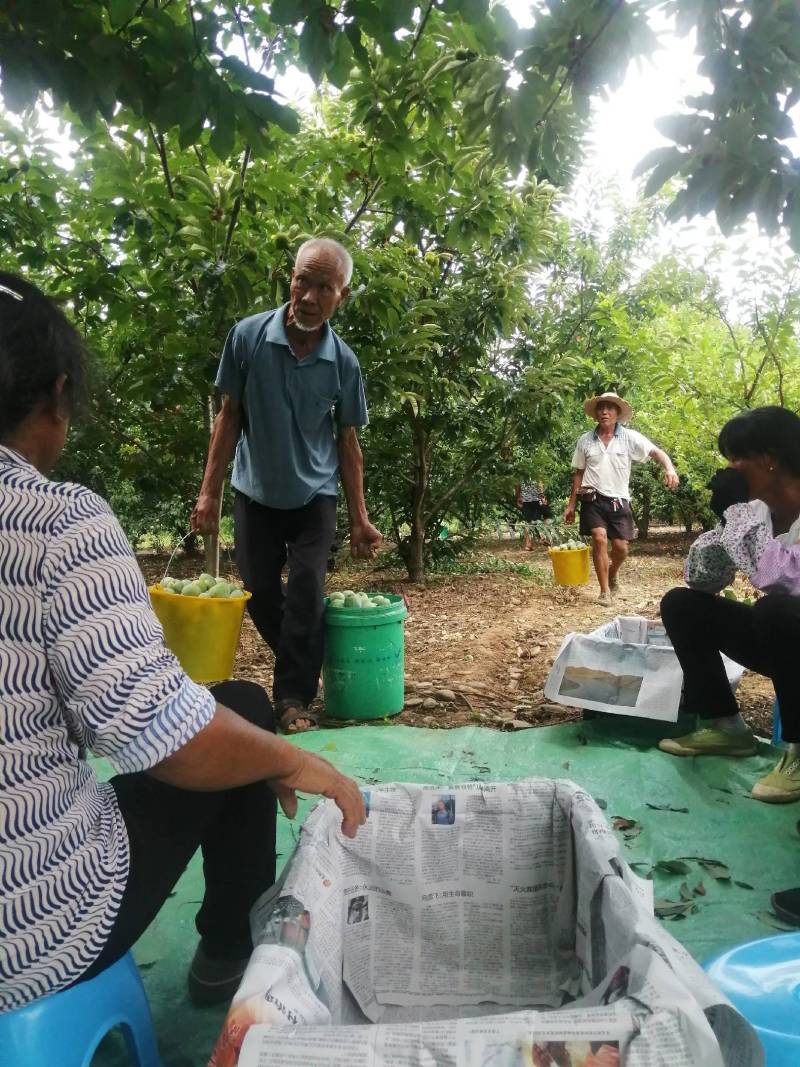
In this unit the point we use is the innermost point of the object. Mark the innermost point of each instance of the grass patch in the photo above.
(487, 563)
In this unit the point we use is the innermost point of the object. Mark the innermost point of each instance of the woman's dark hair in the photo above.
(37, 345)
(767, 431)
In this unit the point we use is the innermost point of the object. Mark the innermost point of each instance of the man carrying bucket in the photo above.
(601, 481)
(292, 398)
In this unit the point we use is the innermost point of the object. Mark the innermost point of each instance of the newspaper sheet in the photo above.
(477, 925)
(626, 667)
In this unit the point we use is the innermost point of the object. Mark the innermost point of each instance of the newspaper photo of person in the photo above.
(617, 986)
(288, 927)
(290, 923)
(358, 910)
(544, 1053)
(575, 1054)
(443, 810)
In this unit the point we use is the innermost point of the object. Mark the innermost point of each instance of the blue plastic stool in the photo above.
(66, 1028)
(762, 981)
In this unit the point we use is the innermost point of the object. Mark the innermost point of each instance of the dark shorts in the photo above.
(617, 522)
(533, 510)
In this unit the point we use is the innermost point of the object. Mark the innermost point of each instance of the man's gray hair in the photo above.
(330, 245)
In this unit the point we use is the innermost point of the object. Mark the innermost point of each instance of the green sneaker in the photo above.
(782, 784)
(708, 742)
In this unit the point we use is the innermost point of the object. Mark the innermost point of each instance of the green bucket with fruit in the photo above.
(364, 668)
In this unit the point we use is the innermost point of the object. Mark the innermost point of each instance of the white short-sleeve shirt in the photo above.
(607, 468)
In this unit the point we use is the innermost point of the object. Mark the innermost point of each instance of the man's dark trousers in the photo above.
(289, 617)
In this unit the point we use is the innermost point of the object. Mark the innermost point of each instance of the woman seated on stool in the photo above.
(758, 498)
(85, 866)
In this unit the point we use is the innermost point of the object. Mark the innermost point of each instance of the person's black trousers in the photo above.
(534, 510)
(290, 620)
(764, 638)
(235, 829)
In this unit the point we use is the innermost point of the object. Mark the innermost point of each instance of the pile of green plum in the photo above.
(205, 586)
(349, 599)
(730, 594)
(568, 546)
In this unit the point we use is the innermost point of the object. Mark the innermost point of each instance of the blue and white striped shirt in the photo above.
(82, 666)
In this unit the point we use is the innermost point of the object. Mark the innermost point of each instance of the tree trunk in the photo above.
(686, 519)
(643, 518)
(415, 549)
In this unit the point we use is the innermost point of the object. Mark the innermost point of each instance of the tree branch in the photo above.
(200, 159)
(197, 48)
(749, 393)
(770, 347)
(589, 44)
(237, 15)
(267, 53)
(135, 15)
(444, 275)
(364, 204)
(420, 29)
(237, 204)
(158, 140)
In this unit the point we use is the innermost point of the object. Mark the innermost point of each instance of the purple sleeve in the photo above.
(778, 569)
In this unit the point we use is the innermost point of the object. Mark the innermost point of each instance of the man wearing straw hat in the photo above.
(601, 482)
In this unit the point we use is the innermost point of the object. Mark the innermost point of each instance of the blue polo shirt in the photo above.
(286, 454)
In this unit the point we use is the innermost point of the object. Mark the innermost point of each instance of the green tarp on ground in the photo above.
(614, 758)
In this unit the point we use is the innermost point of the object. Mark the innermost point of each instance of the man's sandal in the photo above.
(291, 712)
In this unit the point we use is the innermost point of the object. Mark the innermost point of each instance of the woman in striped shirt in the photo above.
(85, 866)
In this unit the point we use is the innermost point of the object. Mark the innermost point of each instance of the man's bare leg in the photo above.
(600, 556)
(619, 553)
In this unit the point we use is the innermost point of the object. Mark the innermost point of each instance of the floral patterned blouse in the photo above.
(746, 543)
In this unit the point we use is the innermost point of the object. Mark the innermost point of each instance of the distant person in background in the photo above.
(601, 482)
(535, 507)
(532, 502)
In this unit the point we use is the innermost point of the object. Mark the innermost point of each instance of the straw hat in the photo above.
(625, 410)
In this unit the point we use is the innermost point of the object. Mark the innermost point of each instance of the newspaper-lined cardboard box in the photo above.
(625, 667)
(476, 925)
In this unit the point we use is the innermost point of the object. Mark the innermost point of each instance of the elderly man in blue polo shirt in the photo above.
(292, 399)
(601, 481)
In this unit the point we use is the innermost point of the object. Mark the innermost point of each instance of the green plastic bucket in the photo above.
(363, 671)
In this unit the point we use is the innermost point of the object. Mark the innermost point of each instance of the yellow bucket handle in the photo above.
(175, 549)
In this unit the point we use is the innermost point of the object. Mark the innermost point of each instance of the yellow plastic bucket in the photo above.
(203, 634)
(570, 566)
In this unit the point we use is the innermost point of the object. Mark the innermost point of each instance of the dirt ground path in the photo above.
(479, 646)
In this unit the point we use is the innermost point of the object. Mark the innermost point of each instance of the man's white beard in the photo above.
(301, 326)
